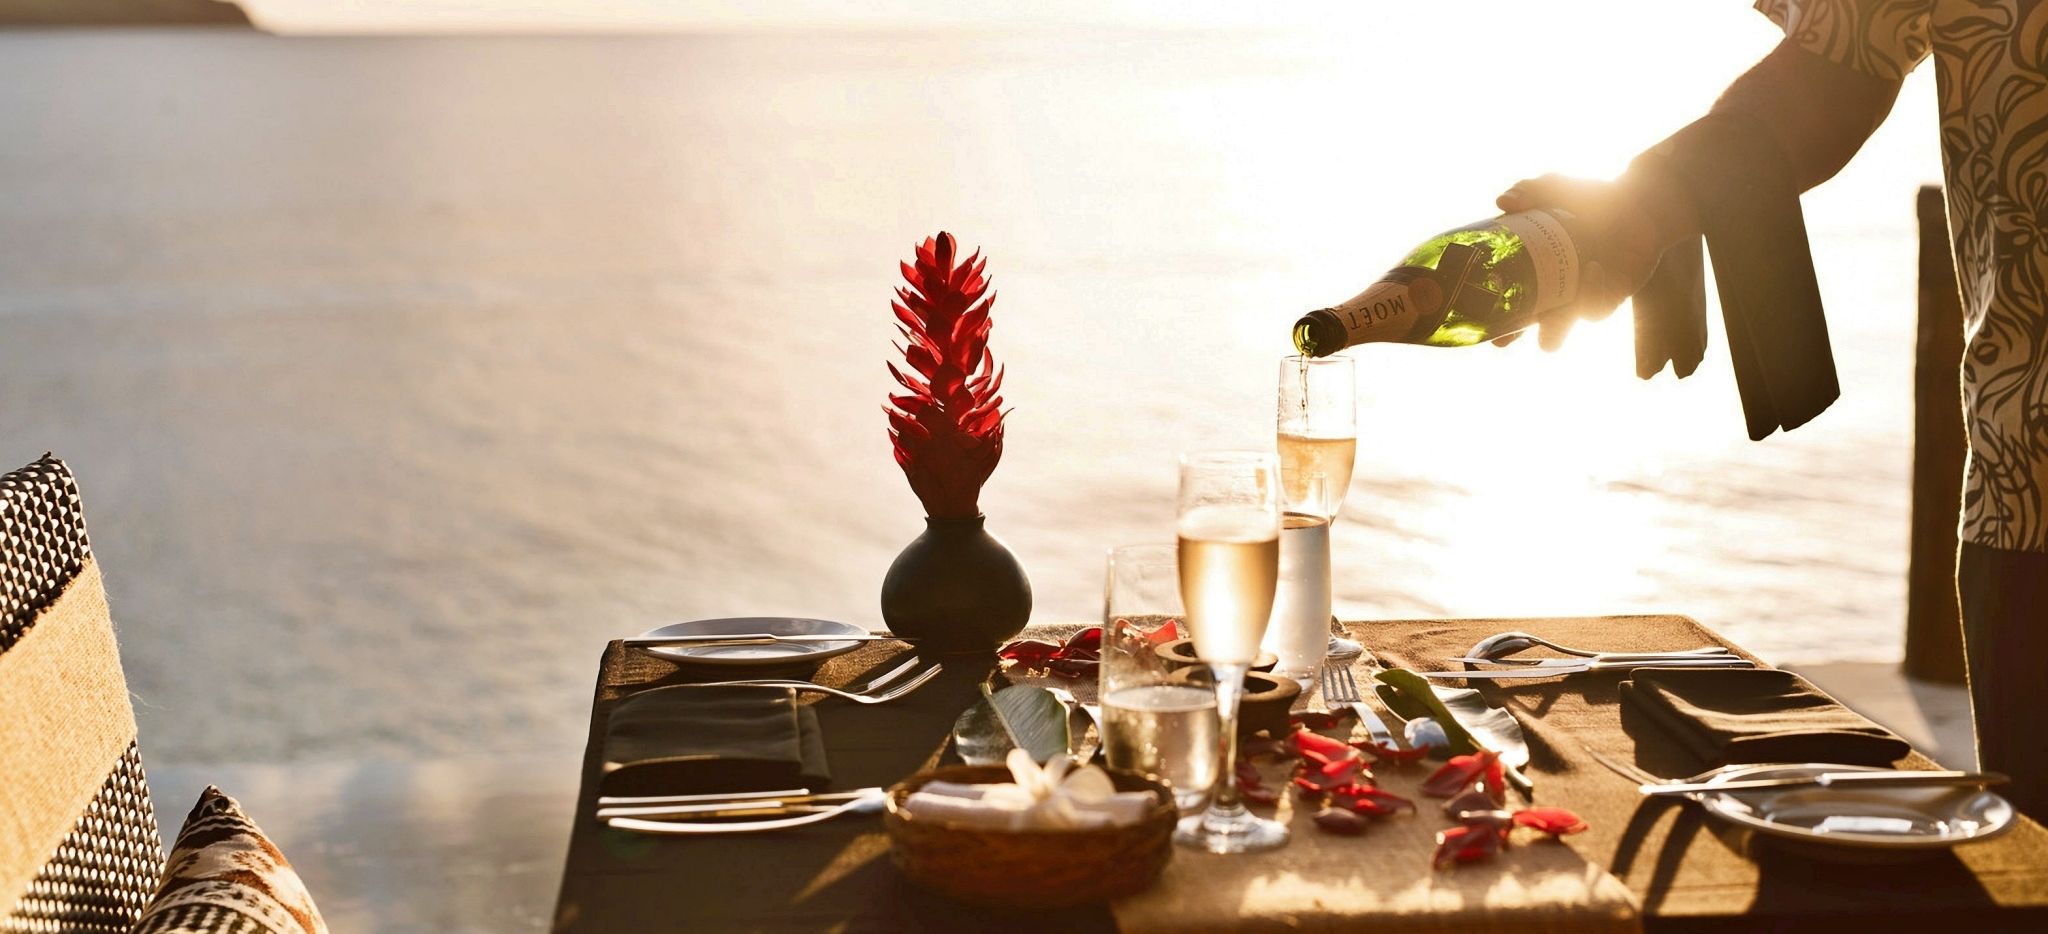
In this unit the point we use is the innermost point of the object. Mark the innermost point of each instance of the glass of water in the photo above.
(1150, 723)
(1299, 633)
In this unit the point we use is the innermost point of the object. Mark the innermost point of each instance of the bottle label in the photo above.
(1552, 256)
(1403, 301)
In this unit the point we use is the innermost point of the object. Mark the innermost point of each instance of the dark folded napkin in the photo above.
(691, 740)
(1727, 715)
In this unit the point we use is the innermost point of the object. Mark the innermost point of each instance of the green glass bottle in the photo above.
(1459, 288)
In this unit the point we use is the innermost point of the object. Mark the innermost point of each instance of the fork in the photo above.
(1340, 689)
(865, 694)
(1641, 777)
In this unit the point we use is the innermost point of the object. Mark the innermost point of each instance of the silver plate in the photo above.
(1862, 821)
(745, 655)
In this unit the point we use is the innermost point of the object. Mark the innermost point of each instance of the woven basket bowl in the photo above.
(1030, 868)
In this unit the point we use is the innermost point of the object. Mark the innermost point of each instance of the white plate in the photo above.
(1869, 821)
(786, 653)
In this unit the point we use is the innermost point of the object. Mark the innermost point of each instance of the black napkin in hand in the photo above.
(1730, 715)
(693, 740)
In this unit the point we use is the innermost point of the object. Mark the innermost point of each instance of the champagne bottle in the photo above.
(1459, 288)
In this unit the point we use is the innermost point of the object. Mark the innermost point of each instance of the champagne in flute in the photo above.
(1317, 433)
(1229, 557)
(1303, 455)
(1229, 563)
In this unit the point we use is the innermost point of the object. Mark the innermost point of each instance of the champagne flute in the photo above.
(1229, 530)
(1317, 427)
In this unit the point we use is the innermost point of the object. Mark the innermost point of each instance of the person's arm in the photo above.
(1817, 111)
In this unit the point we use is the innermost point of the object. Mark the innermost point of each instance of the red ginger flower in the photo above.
(948, 428)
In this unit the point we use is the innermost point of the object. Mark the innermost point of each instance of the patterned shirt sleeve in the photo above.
(1885, 38)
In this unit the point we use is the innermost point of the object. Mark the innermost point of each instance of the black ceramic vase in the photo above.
(956, 589)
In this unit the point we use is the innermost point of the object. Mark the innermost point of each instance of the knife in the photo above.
(1879, 779)
(1553, 671)
(1610, 660)
(755, 638)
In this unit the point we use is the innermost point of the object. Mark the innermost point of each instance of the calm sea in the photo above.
(401, 373)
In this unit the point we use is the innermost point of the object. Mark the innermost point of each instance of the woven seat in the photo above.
(98, 868)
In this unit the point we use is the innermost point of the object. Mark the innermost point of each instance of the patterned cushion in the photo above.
(225, 877)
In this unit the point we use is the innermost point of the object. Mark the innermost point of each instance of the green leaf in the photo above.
(1016, 717)
(1469, 721)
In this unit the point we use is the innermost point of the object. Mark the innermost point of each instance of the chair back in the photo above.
(79, 848)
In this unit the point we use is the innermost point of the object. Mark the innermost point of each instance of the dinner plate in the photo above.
(781, 653)
(1860, 822)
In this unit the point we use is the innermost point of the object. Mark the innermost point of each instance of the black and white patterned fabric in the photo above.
(226, 877)
(1991, 75)
(42, 542)
(104, 872)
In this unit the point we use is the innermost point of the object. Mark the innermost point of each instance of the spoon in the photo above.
(1505, 644)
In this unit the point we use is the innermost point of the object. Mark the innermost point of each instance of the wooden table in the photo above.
(1657, 865)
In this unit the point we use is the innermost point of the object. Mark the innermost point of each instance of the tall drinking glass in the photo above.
(1317, 428)
(1229, 557)
(1299, 633)
(1152, 724)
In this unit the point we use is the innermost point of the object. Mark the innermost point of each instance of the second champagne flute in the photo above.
(1229, 551)
(1317, 422)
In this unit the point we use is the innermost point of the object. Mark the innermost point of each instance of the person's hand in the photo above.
(1618, 248)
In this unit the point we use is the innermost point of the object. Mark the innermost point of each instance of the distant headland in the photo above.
(121, 13)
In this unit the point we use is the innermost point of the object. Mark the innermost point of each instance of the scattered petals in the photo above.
(1087, 640)
(1462, 772)
(1077, 658)
(1472, 799)
(1464, 844)
(1322, 749)
(1554, 821)
(1369, 799)
(1314, 778)
(1381, 752)
(1030, 653)
(1340, 821)
(1252, 787)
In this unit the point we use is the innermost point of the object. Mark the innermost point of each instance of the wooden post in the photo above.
(1934, 633)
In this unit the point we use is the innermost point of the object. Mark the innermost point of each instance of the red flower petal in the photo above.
(1087, 640)
(1320, 748)
(1471, 801)
(1314, 778)
(1381, 752)
(1167, 632)
(1340, 821)
(1554, 821)
(1251, 786)
(1368, 799)
(1464, 844)
(1459, 775)
(1073, 667)
(1030, 653)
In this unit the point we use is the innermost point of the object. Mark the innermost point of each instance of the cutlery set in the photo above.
(1499, 650)
(775, 810)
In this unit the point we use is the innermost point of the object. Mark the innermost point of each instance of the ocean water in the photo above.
(400, 374)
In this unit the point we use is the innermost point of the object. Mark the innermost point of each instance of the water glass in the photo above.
(1299, 632)
(1152, 724)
